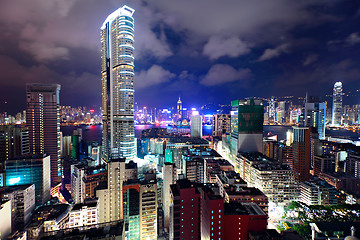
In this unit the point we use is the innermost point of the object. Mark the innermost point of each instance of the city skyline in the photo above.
(254, 50)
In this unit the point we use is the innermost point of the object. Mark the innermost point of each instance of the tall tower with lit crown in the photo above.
(179, 108)
(117, 75)
(337, 104)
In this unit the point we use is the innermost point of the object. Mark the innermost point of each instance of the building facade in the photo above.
(30, 170)
(43, 121)
(247, 119)
(221, 124)
(301, 153)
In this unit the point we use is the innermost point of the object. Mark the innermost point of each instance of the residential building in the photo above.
(83, 214)
(276, 181)
(221, 124)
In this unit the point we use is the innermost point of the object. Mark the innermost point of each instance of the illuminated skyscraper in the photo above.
(314, 115)
(117, 74)
(337, 104)
(301, 153)
(179, 108)
(43, 121)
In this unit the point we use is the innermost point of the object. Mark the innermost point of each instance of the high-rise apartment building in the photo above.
(337, 104)
(169, 177)
(117, 74)
(140, 209)
(111, 198)
(185, 210)
(221, 124)
(43, 121)
(247, 118)
(301, 153)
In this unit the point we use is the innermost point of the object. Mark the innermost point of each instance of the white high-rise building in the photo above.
(117, 74)
(111, 198)
(196, 126)
(337, 104)
(169, 177)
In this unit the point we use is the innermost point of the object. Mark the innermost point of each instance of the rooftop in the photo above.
(81, 205)
(187, 140)
(10, 189)
(271, 166)
(254, 156)
(237, 208)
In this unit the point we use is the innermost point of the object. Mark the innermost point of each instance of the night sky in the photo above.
(206, 51)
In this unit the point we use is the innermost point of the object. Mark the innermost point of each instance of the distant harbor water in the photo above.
(94, 132)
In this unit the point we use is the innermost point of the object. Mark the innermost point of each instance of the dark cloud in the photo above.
(153, 76)
(221, 73)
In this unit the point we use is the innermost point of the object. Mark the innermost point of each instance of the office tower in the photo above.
(14, 142)
(314, 115)
(185, 210)
(169, 177)
(196, 126)
(281, 113)
(22, 203)
(337, 104)
(272, 108)
(169, 156)
(247, 118)
(221, 124)
(301, 153)
(43, 121)
(117, 70)
(30, 170)
(179, 108)
(75, 143)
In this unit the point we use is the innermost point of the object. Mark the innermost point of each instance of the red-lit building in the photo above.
(301, 153)
(184, 212)
(211, 214)
(241, 218)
